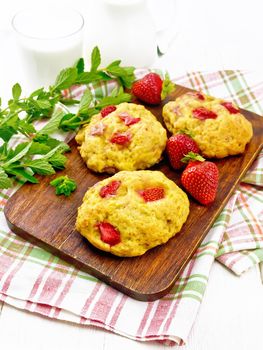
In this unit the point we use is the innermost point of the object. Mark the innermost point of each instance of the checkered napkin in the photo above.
(35, 280)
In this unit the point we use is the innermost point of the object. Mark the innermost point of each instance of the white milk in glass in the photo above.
(49, 41)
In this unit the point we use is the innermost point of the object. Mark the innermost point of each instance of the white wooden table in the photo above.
(210, 36)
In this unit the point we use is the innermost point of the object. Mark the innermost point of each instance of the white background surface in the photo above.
(210, 35)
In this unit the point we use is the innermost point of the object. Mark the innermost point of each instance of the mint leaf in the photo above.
(70, 122)
(41, 138)
(58, 161)
(114, 100)
(53, 123)
(38, 148)
(61, 148)
(40, 166)
(103, 76)
(125, 74)
(95, 59)
(12, 120)
(25, 128)
(80, 65)
(65, 79)
(85, 102)
(114, 63)
(16, 91)
(22, 174)
(64, 185)
(92, 77)
(53, 143)
(3, 151)
(5, 181)
(18, 156)
(19, 148)
(115, 91)
(88, 77)
(6, 132)
(43, 104)
(36, 93)
(69, 101)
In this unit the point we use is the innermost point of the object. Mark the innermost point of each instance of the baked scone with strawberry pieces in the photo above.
(122, 137)
(132, 212)
(217, 126)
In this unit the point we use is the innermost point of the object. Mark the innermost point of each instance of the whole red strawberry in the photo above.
(200, 179)
(177, 147)
(152, 89)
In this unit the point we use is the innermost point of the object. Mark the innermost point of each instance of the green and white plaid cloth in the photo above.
(35, 280)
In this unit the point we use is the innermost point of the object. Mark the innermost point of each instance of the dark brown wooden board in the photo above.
(35, 213)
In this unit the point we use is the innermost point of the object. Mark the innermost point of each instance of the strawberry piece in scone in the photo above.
(107, 110)
(152, 194)
(109, 234)
(231, 109)
(110, 189)
(97, 129)
(196, 94)
(128, 119)
(203, 113)
(121, 138)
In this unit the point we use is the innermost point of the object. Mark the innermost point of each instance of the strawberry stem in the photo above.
(167, 87)
(191, 156)
(186, 132)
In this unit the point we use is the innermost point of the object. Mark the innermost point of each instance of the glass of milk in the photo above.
(50, 39)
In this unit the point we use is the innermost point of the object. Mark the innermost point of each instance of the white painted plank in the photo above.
(24, 330)
(231, 315)
(1, 307)
(261, 271)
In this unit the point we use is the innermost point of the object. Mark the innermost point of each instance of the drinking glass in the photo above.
(49, 40)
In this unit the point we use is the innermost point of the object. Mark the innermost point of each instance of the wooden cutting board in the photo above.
(35, 213)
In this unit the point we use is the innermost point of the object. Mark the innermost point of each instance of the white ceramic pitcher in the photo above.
(122, 29)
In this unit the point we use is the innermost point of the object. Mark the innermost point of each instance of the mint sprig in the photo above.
(38, 152)
(19, 163)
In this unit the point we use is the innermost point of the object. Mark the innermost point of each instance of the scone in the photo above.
(132, 212)
(217, 126)
(129, 138)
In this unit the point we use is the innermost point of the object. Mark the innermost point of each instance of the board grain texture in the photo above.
(35, 213)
